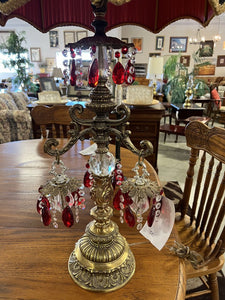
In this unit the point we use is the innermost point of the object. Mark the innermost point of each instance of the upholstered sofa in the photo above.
(15, 119)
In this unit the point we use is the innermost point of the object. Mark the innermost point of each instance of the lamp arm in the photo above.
(121, 110)
(75, 136)
(146, 146)
(79, 108)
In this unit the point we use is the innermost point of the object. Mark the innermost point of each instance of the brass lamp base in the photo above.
(187, 103)
(101, 262)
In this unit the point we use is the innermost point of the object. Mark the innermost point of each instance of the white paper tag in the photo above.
(161, 228)
(89, 150)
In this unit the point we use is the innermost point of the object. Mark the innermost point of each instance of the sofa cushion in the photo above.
(21, 99)
(3, 105)
(15, 125)
(9, 101)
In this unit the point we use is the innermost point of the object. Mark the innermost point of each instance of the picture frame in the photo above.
(185, 60)
(220, 61)
(159, 45)
(81, 34)
(154, 54)
(69, 37)
(54, 38)
(206, 48)
(178, 44)
(138, 44)
(125, 40)
(183, 72)
(47, 84)
(4, 35)
(35, 54)
(51, 63)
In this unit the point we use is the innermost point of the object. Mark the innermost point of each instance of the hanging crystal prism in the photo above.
(93, 74)
(61, 194)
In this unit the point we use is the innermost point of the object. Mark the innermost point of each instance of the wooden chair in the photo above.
(203, 230)
(51, 121)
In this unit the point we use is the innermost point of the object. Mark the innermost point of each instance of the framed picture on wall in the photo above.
(35, 54)
(159, 43)
(51, 63)
(69, 37)
(178, 44)
(206, 48)
(54, 38)
(4, 35)
(154, 54)
(220, 61)
(125, 40)
(81, 34)
(138, 44)
(185, 60)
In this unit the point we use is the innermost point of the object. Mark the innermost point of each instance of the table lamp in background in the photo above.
(57, 73)
(155, 70)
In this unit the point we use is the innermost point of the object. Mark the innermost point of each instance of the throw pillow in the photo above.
(216, 96)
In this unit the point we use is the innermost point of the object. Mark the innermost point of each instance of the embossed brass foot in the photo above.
(101, 262)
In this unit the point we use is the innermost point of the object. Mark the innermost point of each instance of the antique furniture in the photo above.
(180, 129)
(144, 124)
(200, 222)
(53, 121)
(179, 113)
(15, 119)
(34, 259)
(172, 129)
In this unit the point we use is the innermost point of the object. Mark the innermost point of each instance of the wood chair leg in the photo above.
(213, 283)
(164, 137)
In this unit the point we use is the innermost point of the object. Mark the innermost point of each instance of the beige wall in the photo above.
(180, 28)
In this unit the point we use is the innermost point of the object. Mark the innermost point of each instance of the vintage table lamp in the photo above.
(102, 259)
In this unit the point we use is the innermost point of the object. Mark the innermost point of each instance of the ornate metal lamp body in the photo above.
(102, 259)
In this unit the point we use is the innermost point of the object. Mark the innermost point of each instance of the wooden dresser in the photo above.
(144, 125)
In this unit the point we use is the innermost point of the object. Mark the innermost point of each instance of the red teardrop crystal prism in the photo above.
(67, 217)
(129, 76)
(118, 73)
(117, 200)
(46, 216)
(73, 76)
(93, 75)
(43, 201)
(129, 217)
(87, 179)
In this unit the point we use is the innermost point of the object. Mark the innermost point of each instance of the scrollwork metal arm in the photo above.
(79, 108)
(123, 137)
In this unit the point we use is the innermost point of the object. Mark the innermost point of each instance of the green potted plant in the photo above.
(18, 61)
(177, 76)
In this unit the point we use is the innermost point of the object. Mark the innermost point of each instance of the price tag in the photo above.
(161, 228)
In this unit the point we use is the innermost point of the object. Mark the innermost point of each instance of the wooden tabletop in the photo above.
(33, 258)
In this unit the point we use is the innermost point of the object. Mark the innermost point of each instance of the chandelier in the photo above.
(198, 39)
(102, 259)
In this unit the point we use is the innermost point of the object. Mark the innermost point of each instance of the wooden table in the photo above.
(180, 113)
(144, 124)
(33, 258)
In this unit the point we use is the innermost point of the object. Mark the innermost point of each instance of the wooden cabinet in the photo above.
(142, 80)
(144, 124)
